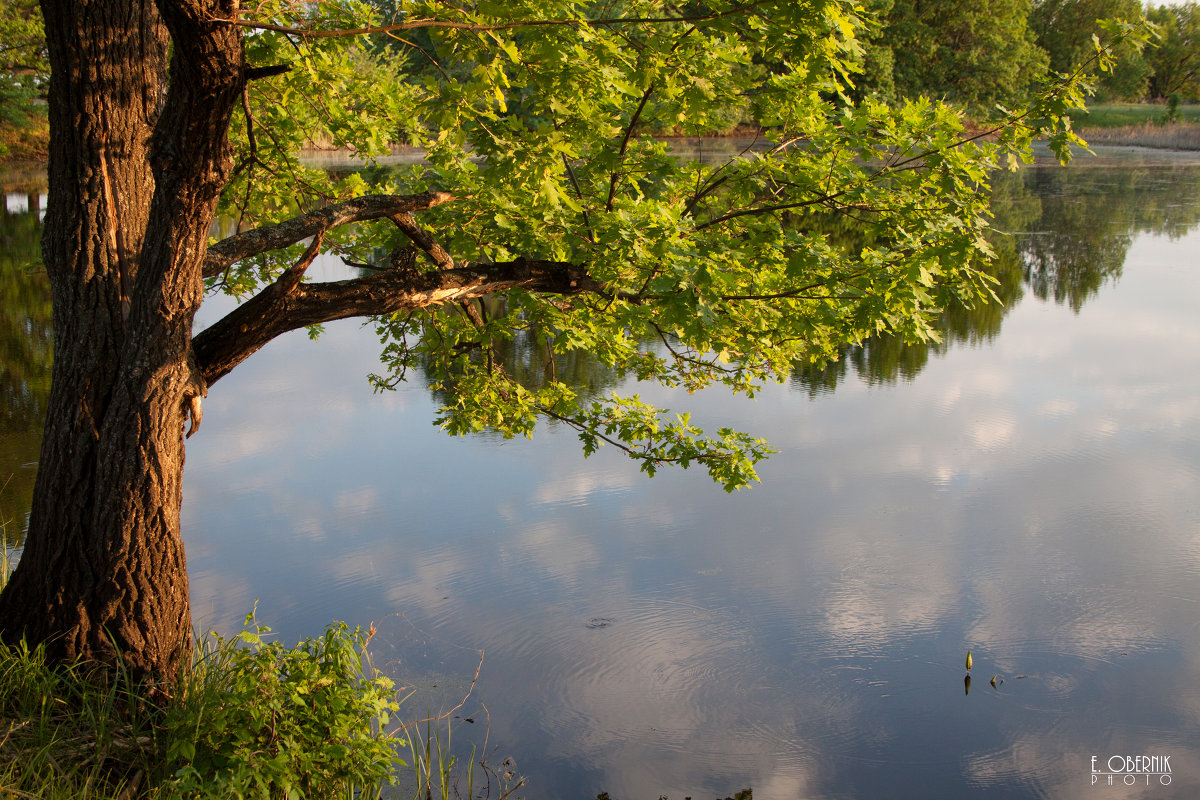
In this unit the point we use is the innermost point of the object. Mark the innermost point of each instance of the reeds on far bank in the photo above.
(1168, 136)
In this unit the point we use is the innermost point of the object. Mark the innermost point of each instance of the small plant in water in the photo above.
(439, 774)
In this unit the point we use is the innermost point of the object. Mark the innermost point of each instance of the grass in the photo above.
(252, 719)
(1120, 115)
(436, 772)
(1175, 136)
(6, 562)
(70, 732)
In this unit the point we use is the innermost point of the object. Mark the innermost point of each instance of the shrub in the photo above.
(263, 721)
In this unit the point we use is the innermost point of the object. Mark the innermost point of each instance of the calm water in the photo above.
(1030, 491)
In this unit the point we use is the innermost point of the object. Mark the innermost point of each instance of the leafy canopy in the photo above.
(971, 52)
(536, 116)
(1175, 60)
(24, 72)
(1066, 30)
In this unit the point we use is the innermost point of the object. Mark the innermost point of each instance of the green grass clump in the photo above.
(252, 719)
(266, 721)
(71, 732)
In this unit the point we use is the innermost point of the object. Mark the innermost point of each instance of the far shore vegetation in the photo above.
(1144, 124)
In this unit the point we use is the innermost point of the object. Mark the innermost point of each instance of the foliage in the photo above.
(23, 74)
(1175, 61)
(1065, 30)
(267, 721)
(252, 720)
(535, 118)
(973, 53)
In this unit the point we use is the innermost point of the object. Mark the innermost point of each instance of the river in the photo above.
(1028, 490)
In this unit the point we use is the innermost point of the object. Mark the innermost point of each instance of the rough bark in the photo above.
(288, 304)
(139, 156)
(137, 163)
(283, 234)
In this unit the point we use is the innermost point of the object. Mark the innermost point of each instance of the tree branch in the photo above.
(258, 73)
(421, 238)
(616, 176)
(273, 237)
(287, 305)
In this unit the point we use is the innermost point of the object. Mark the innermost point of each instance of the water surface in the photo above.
(1028, 490)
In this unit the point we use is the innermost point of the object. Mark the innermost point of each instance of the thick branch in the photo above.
(283, 234)
(437, 254)
(284, 306)
(258, 73)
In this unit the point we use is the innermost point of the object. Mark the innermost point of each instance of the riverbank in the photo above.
(26, 140)
(250, 718)
(1171, 136)
(28, 170)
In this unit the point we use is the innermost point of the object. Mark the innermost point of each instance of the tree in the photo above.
(1175, 60)
(23, 70)
(1064, 29)
(977, 54)
(542, 214)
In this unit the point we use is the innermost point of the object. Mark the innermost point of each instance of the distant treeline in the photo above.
(978, 53)
(983, 52)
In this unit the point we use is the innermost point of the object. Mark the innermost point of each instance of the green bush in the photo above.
(252, 720)
(264, 721)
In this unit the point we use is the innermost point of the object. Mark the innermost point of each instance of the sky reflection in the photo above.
(1035, 498)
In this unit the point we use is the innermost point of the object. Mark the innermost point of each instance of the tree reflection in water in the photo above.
(1060, 234)
(26, 345)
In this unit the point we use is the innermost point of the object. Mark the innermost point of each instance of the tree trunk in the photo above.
(137, 163)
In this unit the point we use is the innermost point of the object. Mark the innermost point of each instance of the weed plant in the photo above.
(262, 720)
(436, 772)
(252, 719)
